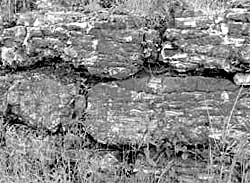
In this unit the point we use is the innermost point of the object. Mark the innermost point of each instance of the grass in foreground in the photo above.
(229, 158)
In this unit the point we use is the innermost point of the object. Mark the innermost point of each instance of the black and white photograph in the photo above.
(124, 91)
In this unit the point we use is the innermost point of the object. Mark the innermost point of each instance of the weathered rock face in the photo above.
(116, 46)
(159, 107)
(44, 102)
(125, 80)
(106, 45)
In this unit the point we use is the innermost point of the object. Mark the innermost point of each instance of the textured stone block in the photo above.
(43, 102)
(193, 22)
(107, 45)
(157, 107)
(238, 29)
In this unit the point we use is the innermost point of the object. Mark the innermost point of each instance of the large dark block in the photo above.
(159, 108)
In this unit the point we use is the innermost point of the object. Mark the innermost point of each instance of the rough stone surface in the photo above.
(118, 80)
(117, 46)
(159, 107)
(106, 45)
(44, 102)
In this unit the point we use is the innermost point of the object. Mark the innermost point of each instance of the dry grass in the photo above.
(89, 167)
(229, 151)
(139, 6)
(208, 7)
(10, 7)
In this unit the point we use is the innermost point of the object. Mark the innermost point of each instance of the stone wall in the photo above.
(124, 80)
